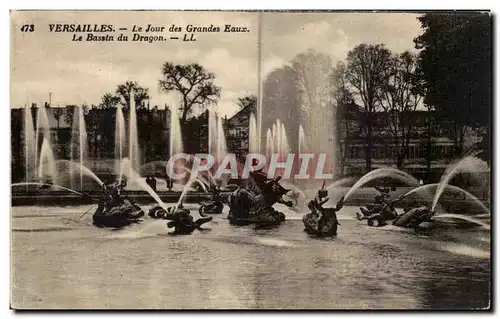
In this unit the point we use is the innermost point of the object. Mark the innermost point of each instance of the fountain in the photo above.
(42, 131)
(175, 140)
(221, 150)
(186, 190)
(175, 134)
(285, 147)
(274, 132)
(30, 147)
(212, 131)
(278, 140)
(82, 169)
(422, 217)
(119, 141)
(253, 138)
(463, 217)
(217, 145)
(339, 182)
(79, 147)
(47, 164)
(48, 185)
(452, 187)
(221, 141)
(381, 173)
(466, 164)
(134, 177)
(269, 144)
(302, 140)
(133, 143)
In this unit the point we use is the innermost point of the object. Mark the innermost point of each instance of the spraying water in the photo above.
(212, 131)
(454, 188)
(136, 178)
(175, 134)
(175, 142)
(79, 147)
(221, 141)
(119, 141)
(466, 164)
(285, 147)
(185, 191)
(278, 136)
(339, 182)
(201, 178)
(253, 138)
(82, 169)
(383, 172)
(302, 140)
(274, 132)
(47, 165)
(42, 130)
(463, 217)
(133, 143)
(45, 184)
(29, 143)
(269, 143)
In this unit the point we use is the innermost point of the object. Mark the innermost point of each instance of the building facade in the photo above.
(237, 130)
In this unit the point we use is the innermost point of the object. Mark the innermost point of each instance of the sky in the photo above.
(81, 72)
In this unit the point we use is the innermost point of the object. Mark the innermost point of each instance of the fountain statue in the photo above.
(380, 205)
(180, 217)
(417, 218)
(380, 213)
(421, 216)
(321, 221)
(215, 205)
(116, 209)
(254, 206)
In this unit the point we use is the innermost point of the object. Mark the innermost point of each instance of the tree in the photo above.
(428, 144)
(194, 84)
(109, 101)
(455, 64)
(366, 65)
(57, 112)
(399, 98)
(248, 101)
(70, 110)
(140, 94)
(346, 112)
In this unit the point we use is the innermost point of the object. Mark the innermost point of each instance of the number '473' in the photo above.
(28, 28)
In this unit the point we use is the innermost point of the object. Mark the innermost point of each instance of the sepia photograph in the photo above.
(250, 160)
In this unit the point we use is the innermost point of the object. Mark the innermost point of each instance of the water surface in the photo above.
(61, 261)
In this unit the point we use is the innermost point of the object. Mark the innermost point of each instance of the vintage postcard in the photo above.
(250, 160)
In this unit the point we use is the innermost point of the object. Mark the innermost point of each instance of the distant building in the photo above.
(237, 132)
(425, 151)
